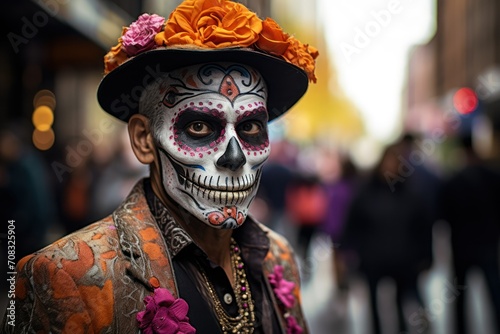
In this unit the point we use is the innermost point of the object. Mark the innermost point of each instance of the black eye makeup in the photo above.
(252, 127)
(198, 130)
(198, 127)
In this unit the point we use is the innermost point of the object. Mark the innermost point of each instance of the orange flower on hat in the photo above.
(272, 39)
(303, 56)
(211, 24)
(116, 56)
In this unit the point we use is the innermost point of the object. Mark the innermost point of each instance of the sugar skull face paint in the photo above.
(213, 139)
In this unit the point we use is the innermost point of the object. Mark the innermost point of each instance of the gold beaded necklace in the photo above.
(245, 320)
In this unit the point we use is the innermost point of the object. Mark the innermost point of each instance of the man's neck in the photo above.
(214, 242)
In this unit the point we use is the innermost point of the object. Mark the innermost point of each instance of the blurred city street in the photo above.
(384, 176)
(332, 312)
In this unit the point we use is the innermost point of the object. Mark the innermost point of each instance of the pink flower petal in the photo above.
(186, 328)
(140, 317)
(148, 330)
(282, 288)
(163, 297)
(141, 33)
(164, 324)
(164, 314)
(292, 326)
(179, 309)
(148, 300)
(145, 317)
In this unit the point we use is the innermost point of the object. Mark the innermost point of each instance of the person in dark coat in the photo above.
(469, 203)
(389, 228)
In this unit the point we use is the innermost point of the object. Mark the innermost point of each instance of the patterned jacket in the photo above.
(95, 280)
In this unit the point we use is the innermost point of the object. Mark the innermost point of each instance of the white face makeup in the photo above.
(213, 140)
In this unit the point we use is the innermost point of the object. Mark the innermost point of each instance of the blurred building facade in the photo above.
(464, 52)
(467, 42)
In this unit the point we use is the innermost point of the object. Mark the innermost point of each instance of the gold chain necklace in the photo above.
(245, 320)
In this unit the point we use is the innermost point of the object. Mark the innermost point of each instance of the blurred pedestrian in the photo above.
(389, 229)
(339, 195)
(424, 179)
(276, 176)
(469, 203)
(306, 206)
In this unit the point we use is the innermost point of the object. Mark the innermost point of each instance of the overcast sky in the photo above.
(370, 42)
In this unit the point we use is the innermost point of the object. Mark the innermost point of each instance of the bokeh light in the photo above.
(44, 104)
(43, 117)
(43, 140)
(465, 100)
(44, 98)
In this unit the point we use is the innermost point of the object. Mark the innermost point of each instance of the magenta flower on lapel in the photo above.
(282, 288)
(292, 325)
(164, 314)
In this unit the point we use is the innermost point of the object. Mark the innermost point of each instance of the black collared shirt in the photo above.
(188, 258)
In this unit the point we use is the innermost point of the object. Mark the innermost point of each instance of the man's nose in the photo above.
(233, 158)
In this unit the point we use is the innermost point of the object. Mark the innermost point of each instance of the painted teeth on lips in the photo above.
(223, 184)
(221, 197)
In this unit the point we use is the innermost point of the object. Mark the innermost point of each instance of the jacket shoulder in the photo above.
(279, 245)
(83, 255)
(280, 253)
(62, 282)
(89, 242)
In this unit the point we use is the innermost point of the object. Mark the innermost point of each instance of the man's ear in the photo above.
(141, 138)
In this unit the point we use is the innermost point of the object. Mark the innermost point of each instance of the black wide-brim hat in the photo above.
(119, 91)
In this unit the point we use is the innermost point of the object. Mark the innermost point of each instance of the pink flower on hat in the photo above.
(164, 314)
(140, 36)
(282, 288)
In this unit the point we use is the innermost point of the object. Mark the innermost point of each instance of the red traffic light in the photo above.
(465, 100)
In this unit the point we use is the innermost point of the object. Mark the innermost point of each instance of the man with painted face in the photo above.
(181, 254)
(208, 141)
